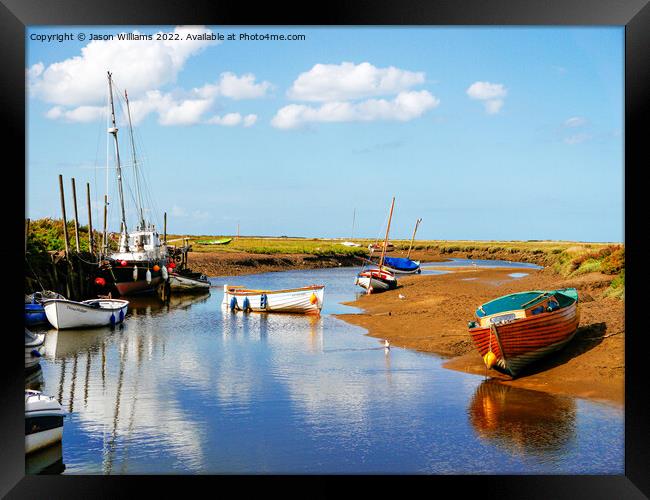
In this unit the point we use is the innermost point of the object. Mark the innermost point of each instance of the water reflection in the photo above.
(522, 421)
(34, 379)
(45, 461)
(188, 387)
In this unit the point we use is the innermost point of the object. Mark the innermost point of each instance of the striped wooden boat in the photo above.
(513, 331)
(375, 280)
(305, 300)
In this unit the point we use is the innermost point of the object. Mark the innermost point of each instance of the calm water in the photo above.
(189, 388)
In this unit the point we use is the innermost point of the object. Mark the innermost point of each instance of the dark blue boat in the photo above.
(401, 265)
(34, 311)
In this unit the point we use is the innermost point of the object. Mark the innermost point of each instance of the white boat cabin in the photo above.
(143, 244)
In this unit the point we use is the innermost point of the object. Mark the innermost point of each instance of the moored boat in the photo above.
(33, 345)
(379, 247)
(138, 265)
(305, 300)
(43, 421)
(514, 330)
(34, 312)
(187, 281)
(63, 313)
(402, 265)
(381, 279)
(376, 280)
(223, 241)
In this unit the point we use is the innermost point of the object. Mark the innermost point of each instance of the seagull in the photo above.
(386, 344)
(401, 296)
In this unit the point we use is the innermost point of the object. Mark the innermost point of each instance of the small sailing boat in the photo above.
(381, 279)
(62, 313)
(404, 265)
(305, 300)
(139, 264)
(517, 329)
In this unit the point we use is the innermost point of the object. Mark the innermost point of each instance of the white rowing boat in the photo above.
(305, 300)
(63, 313)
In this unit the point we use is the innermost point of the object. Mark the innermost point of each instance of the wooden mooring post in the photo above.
(165, 230)
(90, 220)
(26, 234)
(65, 225)
(76, 215)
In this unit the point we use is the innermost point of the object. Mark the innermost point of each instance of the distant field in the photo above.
(568, 258)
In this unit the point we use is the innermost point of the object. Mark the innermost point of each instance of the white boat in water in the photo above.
(305, 300)
(188, 281)
(33, 345)
(63, 313)
(43, 421)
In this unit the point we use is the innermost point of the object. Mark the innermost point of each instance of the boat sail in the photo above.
(381, 279)
(139, 264)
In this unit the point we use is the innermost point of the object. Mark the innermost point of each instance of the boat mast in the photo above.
(417, 223)
(383, 250)
(135, 163)
(113, 132)
(354, 215)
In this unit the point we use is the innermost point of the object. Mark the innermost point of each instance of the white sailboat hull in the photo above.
(69, 314)
(308, 300)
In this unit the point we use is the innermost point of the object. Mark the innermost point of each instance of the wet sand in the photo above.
(433, 314)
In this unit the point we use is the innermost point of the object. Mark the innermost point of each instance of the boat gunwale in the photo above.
(86, 304)
(240, 290)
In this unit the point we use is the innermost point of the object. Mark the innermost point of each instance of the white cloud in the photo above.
(576, 121)
(577, 138)
(406, 106)
(138, 66)
(340, 82)
(233, 119)
(178, 211)
(82, 114)
(492, 95)
(78, 86)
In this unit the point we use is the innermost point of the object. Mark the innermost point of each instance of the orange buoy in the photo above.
(313, 299)
(156, 268)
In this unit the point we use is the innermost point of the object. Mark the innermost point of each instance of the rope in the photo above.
(35, 275)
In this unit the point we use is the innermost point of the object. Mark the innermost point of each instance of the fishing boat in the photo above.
(305, 300)
(381, 279)
(514, 330)
(62, 313)
(33, 345)
(43, 421)
(34, 312)
(138, 266)
(186, 281)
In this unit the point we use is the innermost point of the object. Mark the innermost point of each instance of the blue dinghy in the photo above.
(401, 265)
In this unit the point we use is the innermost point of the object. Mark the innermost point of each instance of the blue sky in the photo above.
(484, 133)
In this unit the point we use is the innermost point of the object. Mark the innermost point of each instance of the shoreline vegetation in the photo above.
(432, 317)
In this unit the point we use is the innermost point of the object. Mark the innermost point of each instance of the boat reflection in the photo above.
(45, 461)
(34, 379)
(520, 420)
(284, 329)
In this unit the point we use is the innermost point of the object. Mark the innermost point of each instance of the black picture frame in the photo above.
(16, 15)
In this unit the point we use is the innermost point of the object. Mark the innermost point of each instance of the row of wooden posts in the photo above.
(76, 220)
